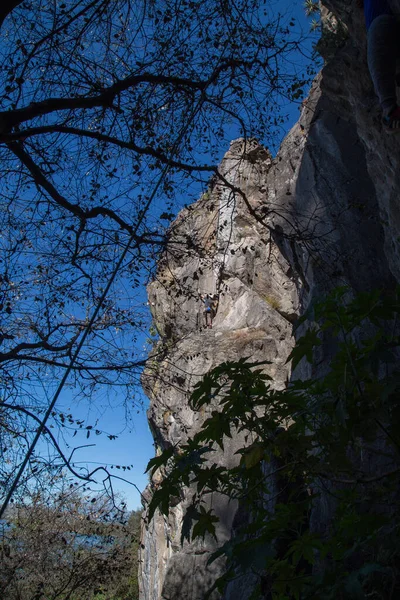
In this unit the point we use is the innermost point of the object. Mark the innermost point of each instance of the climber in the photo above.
(383, 33)
(208, 310)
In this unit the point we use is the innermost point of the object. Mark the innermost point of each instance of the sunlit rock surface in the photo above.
(234, 256)
(326, 212)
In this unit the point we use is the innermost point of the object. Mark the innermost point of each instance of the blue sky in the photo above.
(133, 446)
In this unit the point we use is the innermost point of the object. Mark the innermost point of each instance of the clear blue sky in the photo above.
(134, 445)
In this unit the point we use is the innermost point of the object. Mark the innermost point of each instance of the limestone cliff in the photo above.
(234, 256)
(278, 233)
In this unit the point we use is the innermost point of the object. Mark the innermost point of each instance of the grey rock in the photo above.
(231, 254)
(324, 212)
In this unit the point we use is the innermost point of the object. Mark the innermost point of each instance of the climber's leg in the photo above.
(383, 51)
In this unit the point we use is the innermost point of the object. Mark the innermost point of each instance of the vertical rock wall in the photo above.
(231, 255)
(328, 214)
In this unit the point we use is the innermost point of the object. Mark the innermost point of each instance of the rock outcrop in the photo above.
(233, 256)
(276, 235)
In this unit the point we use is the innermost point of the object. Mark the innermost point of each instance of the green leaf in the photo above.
(305, 547)
(354, 588)
(304, 347)
(162, 497)
(190, 516)
(210, 477)
(253, 455)
(215, 428)
(205, 524)
(159, 461)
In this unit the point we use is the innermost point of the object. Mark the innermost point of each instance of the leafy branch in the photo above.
(332, 440)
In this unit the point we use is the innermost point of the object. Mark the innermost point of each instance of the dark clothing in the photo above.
(375, 8)
(383, 52)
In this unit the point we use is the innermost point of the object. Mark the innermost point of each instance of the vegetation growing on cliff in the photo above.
(329, 444)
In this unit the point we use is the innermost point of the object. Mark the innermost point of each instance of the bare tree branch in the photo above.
(75, 209)
(147, 151)
(104, 99)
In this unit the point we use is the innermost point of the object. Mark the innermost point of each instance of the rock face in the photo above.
(271, 238)
(232, 255)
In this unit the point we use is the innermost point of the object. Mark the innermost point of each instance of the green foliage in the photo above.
(311, 7)
(313, 10)
(322, 444)
(272, 301)
(333, 36)
(68, 544)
